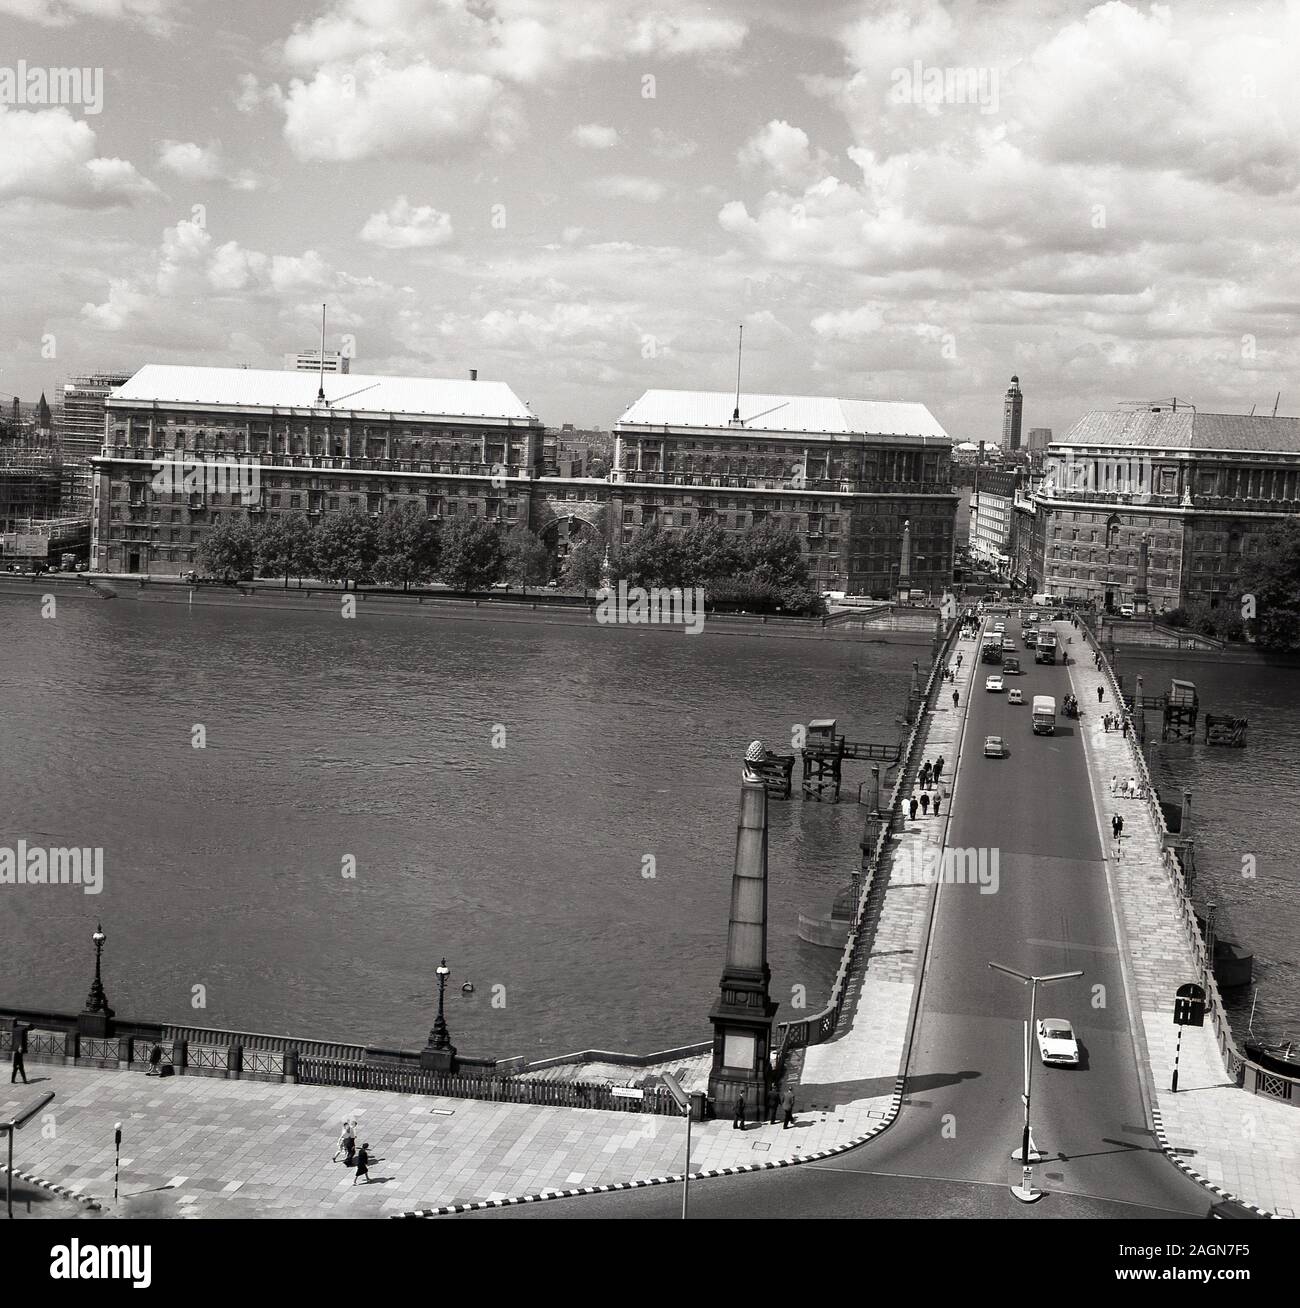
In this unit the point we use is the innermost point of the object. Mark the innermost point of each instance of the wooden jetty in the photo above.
(824, 753)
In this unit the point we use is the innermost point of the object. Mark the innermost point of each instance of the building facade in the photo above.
(991, 517)
(843, 475)
(450, 447)
(1012, 408)
(1199, 488)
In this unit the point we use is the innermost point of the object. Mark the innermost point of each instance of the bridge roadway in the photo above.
(949, 1152)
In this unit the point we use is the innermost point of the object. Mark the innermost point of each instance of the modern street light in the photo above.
(683, 1102)
(1025, 1191)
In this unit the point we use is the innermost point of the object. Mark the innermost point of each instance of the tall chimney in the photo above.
(743, 1016)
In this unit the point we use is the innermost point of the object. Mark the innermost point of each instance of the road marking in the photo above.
(1074, 944)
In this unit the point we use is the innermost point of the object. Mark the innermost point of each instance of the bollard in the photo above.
(234, 1061)
(180, 1057)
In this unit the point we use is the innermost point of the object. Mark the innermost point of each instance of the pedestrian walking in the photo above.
(1119, 826)
(1114, 825)
(155, 1061)
(18, 1047)
(925, 803)
(936, 803)
(954, 699)
(958, 662)
(1124, 726)
(1101, 693)
(925, 775)
(363, 1165)
(787, 1107)
(1114, 785)
(938, 769)
(346, 1144)
(1132, 788)
(738, 1116)
(913, 805)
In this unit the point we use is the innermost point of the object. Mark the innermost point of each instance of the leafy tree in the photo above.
(653, 557)
(772, 554)
(285, 546)
(583, 565)
(527, 560)
(709, 554)
(229, 548)
(406, 547)
(345, 547)
(472, 554)
(1272, 577)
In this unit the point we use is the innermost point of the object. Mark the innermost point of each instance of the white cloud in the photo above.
(622, 186)
(49, 155)
(416, 78)
(664, 145)
(153, 14)
(378, 111)
(784, 151)
(594, 136)
(199, 163)
(403, 226)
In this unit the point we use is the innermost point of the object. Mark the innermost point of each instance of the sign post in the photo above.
(1189, 1010)
(117, 1155)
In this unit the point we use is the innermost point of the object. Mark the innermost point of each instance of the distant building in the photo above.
(81, 427)
(991, 517)
(309, 361)
(843, 475)
(1039, 438)
(1201, 488)
(1012, 406)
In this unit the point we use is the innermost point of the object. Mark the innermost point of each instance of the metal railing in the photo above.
(508, 1090)
(1250, 1076)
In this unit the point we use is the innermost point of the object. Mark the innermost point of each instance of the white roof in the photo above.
(804, 414)
(265, 388)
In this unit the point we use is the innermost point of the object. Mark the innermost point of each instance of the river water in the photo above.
(578, 876)
(1244, 804)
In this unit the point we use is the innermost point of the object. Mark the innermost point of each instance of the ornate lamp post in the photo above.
(95, 1017)
(439, 1055)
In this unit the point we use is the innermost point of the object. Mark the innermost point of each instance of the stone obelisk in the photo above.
(905, 564)
(743, 1016)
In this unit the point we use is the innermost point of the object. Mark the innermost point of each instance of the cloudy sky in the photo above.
(585, 197)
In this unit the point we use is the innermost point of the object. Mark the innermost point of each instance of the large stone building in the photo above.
(451, 447)
(842, 474)
(1199, 489)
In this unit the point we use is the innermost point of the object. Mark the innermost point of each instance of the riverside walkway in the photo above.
(1246, 1144)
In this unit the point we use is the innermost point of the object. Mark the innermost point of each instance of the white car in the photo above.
(999, 628)
(1014, 696)
(1033, 617)
(993, 747)
(1056, 1043)
(994, 683)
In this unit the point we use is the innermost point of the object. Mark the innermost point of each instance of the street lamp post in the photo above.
(1025, 1191)
(439, 1054)
(95, 1017)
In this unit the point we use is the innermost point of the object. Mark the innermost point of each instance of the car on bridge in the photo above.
(1057, 1046)
(1015, 695)
(994, 683)
(1033, 616)
(994, 747)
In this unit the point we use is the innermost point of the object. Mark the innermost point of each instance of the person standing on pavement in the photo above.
(363, 1165)
(954, 699)
(738, 1117)
(18, 1047)
(1101, 693)
(938, 769)
(1124, 726)
(925, 803)
(913, 805)
(347, 1141)
(1119, 826)
(936, 803)
(787, 1107)
(958, 662)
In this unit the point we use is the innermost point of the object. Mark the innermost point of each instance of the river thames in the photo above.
(578, 876)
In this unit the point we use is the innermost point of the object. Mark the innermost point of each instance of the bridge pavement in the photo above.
(1244, 1143)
